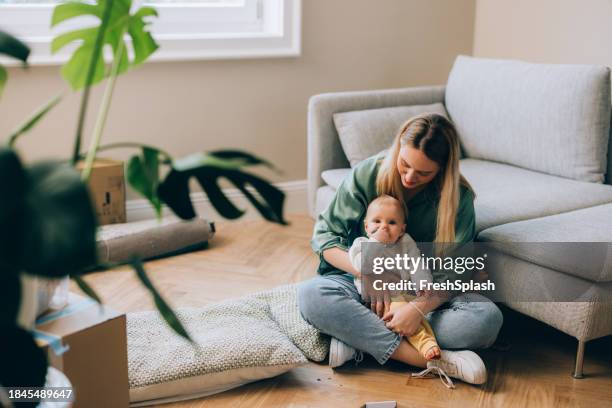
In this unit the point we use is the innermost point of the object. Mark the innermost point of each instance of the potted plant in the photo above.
(47, 222)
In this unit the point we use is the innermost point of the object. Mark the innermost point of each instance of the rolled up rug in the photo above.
(150, 239)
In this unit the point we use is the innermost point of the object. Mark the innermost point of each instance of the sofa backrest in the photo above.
(549, 118)
(324, 148)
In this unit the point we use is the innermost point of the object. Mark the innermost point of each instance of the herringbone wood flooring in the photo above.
(248, 256)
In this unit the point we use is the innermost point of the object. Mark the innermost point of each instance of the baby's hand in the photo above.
(382, 235)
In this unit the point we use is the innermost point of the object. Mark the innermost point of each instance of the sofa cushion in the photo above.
(549, 118)
(364, 133)
(507, 194)
(578, 243)
(334, 177)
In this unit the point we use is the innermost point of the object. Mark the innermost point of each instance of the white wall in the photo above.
(258, 105)
(552, 31)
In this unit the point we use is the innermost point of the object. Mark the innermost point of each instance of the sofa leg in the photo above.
(579, 360)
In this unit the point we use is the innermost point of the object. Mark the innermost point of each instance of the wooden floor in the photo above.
(248, 256)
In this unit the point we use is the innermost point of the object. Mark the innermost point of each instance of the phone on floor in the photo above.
(380, 404)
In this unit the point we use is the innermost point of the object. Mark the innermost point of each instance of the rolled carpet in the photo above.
(152, 238)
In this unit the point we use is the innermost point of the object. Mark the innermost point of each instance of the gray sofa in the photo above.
(536, 148)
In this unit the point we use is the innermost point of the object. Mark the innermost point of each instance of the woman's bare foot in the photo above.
(433, 353)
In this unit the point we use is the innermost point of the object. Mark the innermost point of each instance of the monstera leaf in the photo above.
(162, 306)
(12, 47)
(226, 159)
(208, 169)
(115, 22)
(143, 176)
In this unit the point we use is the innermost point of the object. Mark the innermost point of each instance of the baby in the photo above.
(385, 224)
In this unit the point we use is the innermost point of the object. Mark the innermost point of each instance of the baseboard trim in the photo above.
(296, 202)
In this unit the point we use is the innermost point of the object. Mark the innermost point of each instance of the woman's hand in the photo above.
(381, 304)
(378, 296)
(380, 300)
(405, 320)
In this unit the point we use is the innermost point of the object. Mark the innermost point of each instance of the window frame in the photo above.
(272, 29)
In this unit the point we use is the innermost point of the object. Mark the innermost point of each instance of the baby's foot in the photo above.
(433, 353)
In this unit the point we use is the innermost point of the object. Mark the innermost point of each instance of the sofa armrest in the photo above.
(324, 149)
(609, 171)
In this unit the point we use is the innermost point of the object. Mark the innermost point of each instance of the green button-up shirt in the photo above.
(343, 220)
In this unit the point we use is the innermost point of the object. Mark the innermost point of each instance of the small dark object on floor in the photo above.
(380, 404)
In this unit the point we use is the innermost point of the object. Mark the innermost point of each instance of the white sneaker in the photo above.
(340, 353)
(464, 365)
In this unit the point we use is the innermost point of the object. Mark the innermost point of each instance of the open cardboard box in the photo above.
(88, 343)
(107, 189)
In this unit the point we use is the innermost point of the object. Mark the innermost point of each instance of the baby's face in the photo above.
(385, 223)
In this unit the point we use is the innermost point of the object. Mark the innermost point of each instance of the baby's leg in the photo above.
(395, 304)
(423, 340)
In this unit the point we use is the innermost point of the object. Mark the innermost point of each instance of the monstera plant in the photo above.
(47, 222)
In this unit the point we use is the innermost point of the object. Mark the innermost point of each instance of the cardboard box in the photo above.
(89, 345)
(107, 188)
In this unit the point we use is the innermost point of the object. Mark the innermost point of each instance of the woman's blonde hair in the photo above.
(435, 136)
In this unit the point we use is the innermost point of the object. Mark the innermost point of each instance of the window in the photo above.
(185, 29)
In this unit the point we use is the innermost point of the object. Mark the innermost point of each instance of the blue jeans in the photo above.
(332, 304)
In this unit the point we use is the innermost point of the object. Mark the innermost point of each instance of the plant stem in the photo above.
(103, 113)
(90, 74)
(121, 145)
(33, 120)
